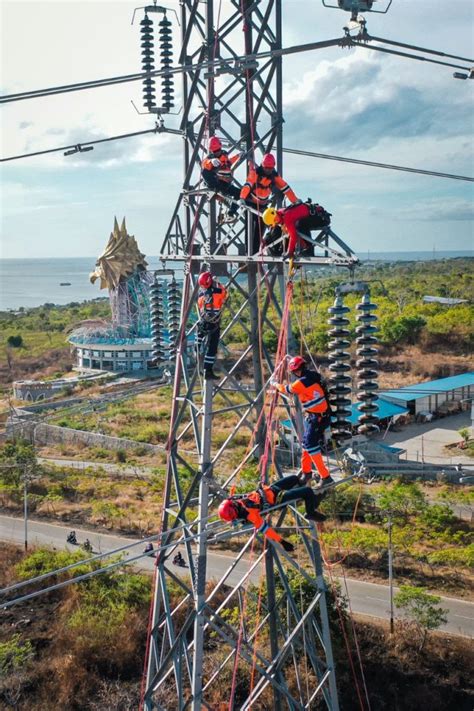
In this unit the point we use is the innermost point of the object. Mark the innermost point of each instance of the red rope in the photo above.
(241, 632)
(346, 638)
(356, 640)
(279, 358)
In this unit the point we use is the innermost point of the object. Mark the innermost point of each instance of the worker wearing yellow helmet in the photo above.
(300, 217)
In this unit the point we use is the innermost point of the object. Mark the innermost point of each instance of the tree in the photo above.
(405, 329)
(465, 434)
(15, 341)
(401, 500)
(421, 609)
(15, 459)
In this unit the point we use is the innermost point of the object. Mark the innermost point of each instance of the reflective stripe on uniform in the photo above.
(312, 403)
(264, 527)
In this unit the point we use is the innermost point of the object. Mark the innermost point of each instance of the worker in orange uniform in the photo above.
(311, 393)
(217, 174)
(211, 298)
(301, 217)
(262, 182)
(249, 507)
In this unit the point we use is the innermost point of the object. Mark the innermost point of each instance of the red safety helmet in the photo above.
(268, 161)
(227, 510)
(215, 144)
(296, 363)
(205, 279)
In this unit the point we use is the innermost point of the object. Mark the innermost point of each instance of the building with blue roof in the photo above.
(429, 396)
(385, 411)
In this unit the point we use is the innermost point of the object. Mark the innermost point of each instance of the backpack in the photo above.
(318, 215)
(327, 416)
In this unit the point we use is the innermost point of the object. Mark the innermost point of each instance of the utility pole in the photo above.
(25, 504)
(390, 568)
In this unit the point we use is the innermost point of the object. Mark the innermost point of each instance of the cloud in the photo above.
(361, 99)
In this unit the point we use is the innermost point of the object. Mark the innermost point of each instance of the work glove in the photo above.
(273, 383)
(242, 203)
(289, 547)
(216, 162)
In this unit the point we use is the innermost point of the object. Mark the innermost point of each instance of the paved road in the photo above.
(366, 598)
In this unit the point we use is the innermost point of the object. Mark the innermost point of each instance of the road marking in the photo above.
(464, 617)
(380, 599)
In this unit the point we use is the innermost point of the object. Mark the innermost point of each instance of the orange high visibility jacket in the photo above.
(259, 186)
(250, 507)
(210, 301)
(224, 171)
(309, 392)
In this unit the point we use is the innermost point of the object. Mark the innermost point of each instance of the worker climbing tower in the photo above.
(281, 647)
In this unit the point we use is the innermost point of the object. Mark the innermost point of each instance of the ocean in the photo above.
(32, 282)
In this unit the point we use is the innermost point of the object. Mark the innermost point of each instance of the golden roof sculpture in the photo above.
(119, 260)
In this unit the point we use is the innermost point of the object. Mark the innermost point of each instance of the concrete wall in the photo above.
(43, 434)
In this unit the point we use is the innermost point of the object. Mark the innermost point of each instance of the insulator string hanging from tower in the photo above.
(157, 322)
(174, 308)
(148, 62)
(367, 365)
(340, 379)
(166, 54)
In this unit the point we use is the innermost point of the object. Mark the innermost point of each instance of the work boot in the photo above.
(324, 483)
(210, 375)
(316, 516)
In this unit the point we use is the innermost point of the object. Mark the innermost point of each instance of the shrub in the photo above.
(121, 456)
(15, 341)
(44, 561)
(454, 557)
(438, 517)
(14, 654)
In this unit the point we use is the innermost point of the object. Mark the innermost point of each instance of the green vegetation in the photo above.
(96, 635)
(37, 337)
(15, 341)
(422, 609)
(426, 537)
(398, 290)
(14, 654)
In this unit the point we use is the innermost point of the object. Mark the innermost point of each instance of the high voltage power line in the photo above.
(87, 145)
(237, 65)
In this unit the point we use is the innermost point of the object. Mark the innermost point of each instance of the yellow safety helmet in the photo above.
(270, 216)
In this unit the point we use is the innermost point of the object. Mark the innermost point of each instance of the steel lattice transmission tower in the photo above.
(242, 102)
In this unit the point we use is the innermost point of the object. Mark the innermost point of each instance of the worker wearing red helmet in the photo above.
(248, 507)
(217, 173)
(311, 392)
(262, 182)
(302, 217)
(211, 299)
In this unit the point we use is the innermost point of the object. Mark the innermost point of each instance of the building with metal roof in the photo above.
(429, 396)
(385, 410)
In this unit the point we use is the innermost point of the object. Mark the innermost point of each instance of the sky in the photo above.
(354, 103)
